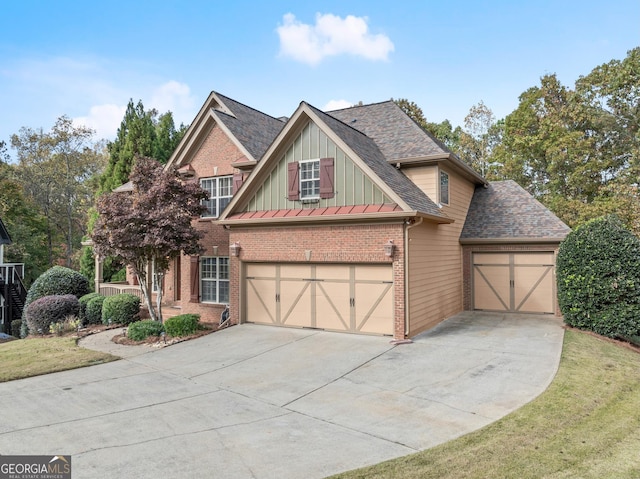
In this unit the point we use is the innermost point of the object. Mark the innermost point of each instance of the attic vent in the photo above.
(360, 103)
(354, 120)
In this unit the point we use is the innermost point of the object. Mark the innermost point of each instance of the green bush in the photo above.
(50, 309)
(120, 275)
(84, 300)
(58, 281)
(121, 309)
(182, 325)
(141, 330)
(598, 277)
(15, 328)
(93, 310)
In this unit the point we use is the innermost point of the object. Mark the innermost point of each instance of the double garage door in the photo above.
(351, 298)
(516, 282)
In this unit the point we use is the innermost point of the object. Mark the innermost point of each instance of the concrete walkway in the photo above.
(262, 402)
(102, 342)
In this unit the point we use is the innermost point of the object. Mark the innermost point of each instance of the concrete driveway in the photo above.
(263, 402)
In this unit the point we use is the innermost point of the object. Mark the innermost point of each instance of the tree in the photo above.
(612, 92)
(167, 137)
(578, 150)
(150, 225)
(25, 225)
(54, 169)
(551, 149)
(442, 131)
(477, 141)
(141, 133)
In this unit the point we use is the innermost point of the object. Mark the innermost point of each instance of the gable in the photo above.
(352, 185)
(250, 130)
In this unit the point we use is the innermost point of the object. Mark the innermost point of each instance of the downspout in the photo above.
(406, 272)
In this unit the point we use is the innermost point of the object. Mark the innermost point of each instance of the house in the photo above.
(354, 220)
(12, 290)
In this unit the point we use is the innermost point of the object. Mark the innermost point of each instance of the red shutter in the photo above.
(195, 279)
(326, 178)
(238, 179)
(293, 183)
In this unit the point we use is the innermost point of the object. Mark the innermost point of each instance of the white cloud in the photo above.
(175, 97)
(337, 105)
(104, 119)
(331, 36)
(171, 96)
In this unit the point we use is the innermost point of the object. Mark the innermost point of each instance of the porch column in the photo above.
(98, 278)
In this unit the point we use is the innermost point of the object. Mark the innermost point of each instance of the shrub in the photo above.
(598, 277)
(58, 281)
(141, 330)
(84, 300)
(50, 309)
(69, 324)
(120, 275)
(121, 309)
(182, 325)
(94, 310)
(15, 328)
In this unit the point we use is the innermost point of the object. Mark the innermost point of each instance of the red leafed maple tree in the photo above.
(152, 224)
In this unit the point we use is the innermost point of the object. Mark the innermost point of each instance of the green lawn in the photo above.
(586, 425)
(24, 358)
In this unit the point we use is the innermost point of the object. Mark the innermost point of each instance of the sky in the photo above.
(86, 60)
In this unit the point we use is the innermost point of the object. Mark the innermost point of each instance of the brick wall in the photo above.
(324, 244)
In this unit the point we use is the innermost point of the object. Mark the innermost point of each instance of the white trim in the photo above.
(214, 194)
(217, 280)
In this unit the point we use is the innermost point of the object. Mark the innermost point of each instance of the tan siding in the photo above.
(435, 255)
(425, 177)
(353, 187)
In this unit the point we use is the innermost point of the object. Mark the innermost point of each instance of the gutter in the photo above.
(406, 273)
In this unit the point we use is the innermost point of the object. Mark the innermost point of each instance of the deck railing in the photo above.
(111, 289)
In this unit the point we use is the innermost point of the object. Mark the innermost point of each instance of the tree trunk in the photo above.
(159, 295)
(146, 293)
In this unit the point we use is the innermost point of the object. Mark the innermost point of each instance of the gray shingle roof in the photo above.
(505, 210)
(395, 133)
(254, 129)
(367, 149)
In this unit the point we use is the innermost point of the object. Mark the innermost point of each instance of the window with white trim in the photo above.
(444, 188)
(214, 279)
(220, 189)
(310, 179)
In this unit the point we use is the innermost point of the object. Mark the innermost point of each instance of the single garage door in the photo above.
(522, 282)
(352, 298)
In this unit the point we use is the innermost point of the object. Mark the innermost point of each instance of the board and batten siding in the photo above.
(435, 257)
(352, 186)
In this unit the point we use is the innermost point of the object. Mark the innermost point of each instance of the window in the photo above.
(444, 188)
(220, 193)
(310, 179)
(214, 279)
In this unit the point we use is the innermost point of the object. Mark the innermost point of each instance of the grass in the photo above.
(586, 425)
(32, 357)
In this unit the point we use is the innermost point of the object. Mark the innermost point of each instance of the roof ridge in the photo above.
(361, 106)
(246, 106)
(340, 121)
